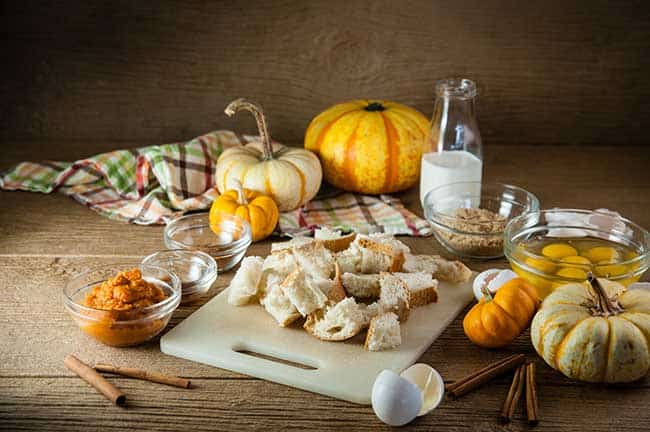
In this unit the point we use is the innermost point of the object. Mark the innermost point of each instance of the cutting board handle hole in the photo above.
(274, 359)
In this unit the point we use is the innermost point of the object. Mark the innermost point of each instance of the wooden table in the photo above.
(44, 239)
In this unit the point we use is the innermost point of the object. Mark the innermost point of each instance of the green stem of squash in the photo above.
(605, 306)
(245, 104)
(374, 106)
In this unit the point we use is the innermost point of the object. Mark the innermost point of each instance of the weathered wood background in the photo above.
(553, 72)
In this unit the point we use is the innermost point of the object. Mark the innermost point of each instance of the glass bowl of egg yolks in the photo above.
(551, 248)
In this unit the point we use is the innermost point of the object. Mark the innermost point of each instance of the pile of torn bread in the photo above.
(321, 279)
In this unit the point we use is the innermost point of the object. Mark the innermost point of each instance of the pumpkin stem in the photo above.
(374, 106)
(258, 113)
(605, 306)
(241, 196)
(486, 293)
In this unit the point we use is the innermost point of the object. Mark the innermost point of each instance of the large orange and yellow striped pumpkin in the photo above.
(369, 146)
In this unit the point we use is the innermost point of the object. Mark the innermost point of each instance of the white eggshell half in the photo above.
(501, 279)
(493, 279)
(395, 400)
(481, 280)
(429, 382)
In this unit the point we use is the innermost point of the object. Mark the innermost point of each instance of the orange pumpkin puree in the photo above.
(121, 299)
(126, 291)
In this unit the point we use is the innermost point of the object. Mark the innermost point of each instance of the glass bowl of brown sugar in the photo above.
(469, 218)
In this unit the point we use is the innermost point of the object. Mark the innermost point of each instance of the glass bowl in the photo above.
(468, 233)
(606, 231)
(196, 270)
(116, 327)
(226, 240)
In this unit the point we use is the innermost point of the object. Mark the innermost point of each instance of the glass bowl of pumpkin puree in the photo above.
(123, 304)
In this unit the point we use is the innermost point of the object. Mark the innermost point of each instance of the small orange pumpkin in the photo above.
(497, 320)
(259, 210)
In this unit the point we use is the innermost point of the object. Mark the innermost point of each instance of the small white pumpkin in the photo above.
(291, 176)
(596, 333)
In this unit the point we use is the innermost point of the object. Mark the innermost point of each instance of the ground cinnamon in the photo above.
(144, 375)
(91, 376)
(514, 394)
(480, 377)
(532, 405)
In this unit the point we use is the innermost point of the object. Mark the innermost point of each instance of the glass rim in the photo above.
(150, 259)
(458, 87)
(176, 224)
(211, 270)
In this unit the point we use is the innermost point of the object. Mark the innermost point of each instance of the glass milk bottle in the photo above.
(455, 150)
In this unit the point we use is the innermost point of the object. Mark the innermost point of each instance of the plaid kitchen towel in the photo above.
(152, 185)
(358, 213)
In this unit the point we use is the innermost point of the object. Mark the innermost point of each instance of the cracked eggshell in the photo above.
(429, 382)
(395, 400)
(493, 279)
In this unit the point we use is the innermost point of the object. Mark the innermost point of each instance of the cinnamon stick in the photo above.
(91, 376)
(480, 377)
(144, 375)
(532, 405)
(451, 386)
(514, 394)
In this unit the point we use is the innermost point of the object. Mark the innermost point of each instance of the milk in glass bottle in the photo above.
(454, 152)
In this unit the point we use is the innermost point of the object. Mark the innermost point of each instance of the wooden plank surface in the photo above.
(553, 72)
(46, 239)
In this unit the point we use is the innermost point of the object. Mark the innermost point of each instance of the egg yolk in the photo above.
(601, 253)
(540, 264)
(572, 273)
(631, 256)
(576, 259)
(609, 269)
(558, 250)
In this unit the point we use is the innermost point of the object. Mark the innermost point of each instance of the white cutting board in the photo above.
(217, 332)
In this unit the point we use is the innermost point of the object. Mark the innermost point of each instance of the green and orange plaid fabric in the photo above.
(152, 185)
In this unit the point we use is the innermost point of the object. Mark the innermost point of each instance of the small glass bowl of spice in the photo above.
(469, 218)
(122, 304)
(226, 239)
(196, 270)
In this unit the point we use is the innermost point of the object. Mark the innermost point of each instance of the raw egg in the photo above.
(601, 253)
(576, 259)
(558, 250)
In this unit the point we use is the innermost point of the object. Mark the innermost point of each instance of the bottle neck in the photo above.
(454, 126)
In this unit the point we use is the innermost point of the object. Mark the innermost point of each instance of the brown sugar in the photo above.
(475, 221)
(478, 220)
